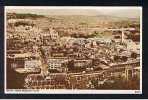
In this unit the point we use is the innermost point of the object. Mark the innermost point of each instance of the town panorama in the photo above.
(83, 51)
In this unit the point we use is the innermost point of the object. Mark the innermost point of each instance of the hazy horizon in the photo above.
(109, 11)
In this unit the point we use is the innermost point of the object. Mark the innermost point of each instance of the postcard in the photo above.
(73, 50)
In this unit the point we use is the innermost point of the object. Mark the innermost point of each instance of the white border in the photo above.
(67, 91)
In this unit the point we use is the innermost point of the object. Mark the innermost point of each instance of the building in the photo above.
(22, 60)
(52, 81)
(17, 60)
(53, 34)
(32, 64)
(59, 64)
(82, 63)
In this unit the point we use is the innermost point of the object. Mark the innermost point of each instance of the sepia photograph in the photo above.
(73, 50)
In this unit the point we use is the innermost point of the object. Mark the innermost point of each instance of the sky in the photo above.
(130, 12)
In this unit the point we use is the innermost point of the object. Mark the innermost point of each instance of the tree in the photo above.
(124, 58)
(134, 55)
(70, 65)
(116, 58)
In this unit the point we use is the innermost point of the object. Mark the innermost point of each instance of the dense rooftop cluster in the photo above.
(53, 60)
